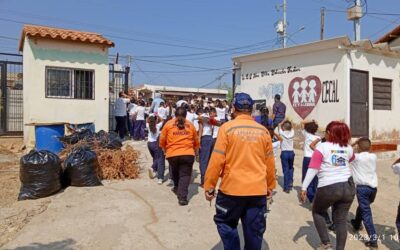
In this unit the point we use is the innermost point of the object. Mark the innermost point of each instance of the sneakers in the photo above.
(170, 183)
(327, 246)
(356, 227)
(160, 181)
(152, 174)
(183, 202)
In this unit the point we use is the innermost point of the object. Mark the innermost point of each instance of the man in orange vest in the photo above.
(243, 158)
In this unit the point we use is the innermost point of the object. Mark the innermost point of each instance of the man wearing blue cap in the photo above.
(243, 158)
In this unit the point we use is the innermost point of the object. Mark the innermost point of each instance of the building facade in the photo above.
(330, 80)
(66, 78)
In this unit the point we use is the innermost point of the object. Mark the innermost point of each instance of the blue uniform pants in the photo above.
(312, 188)
(366, 196)
(287, 160)
(158, 158)
(252, 212)
(206, 146)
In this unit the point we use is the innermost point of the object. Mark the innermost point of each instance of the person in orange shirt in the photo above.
(180, 142)
(243, 158)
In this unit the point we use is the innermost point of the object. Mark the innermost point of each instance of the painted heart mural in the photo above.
(304, 94)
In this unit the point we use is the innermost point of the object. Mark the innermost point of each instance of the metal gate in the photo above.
(11, 98)
(119, 81)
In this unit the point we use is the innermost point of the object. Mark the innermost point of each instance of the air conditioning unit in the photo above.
(354, 13)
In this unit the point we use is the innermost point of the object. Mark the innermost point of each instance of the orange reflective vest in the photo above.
(243, 157)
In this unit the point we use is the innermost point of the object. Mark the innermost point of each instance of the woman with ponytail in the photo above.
(154, 125)
(180, 143)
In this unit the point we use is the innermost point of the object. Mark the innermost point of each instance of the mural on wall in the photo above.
(271, 90)
(304, 94)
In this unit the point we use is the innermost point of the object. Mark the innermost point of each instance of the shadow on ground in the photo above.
(67, 244)
(310, 232)
(220, 246)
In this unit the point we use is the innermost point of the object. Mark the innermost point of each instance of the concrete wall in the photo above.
(328, 66)
(383, 124)
(40, 53)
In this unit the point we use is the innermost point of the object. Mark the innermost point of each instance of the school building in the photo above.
(334, 79)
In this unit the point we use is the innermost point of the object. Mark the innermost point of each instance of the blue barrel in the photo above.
(47, 137)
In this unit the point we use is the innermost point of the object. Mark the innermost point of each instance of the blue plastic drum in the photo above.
(47, 137)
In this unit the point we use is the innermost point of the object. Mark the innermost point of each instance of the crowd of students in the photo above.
(334, 172)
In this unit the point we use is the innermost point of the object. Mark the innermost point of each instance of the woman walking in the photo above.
(180, 142)
(336, 189)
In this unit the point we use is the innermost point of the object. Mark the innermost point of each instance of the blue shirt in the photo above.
(155, 105)
(279, 109)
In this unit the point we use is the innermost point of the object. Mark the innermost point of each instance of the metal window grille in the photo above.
(69, 83)
(382, 94)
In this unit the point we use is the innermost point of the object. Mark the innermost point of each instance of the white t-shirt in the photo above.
(275, 146)
(287, 142)
(396, 170)
(131, 108)
(221, 112)
(335, 165)
(364, 169)
(308, 139)
(215, 129)
(206, 126)
(153, 137)
(120, 106)
(162, 112)
(140, 111)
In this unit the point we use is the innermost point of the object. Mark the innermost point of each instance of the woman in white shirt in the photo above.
(140, 121)
(221, 111)
(336, 189)
(154, 125)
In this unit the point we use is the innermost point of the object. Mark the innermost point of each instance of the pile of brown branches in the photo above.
(114, 164)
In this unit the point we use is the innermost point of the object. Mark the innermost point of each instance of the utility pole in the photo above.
(357, 25)
(285, 24)
(322, 23)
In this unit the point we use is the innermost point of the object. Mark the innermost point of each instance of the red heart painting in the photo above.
(304, 94)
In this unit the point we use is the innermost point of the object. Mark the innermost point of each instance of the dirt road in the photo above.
(140, 214)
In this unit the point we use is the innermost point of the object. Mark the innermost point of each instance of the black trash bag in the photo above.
(80, 168)
(77, 136)
(40, 175)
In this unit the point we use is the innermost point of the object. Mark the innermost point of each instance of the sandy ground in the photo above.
(139, 214)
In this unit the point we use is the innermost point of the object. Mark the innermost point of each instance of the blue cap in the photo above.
(242, 101)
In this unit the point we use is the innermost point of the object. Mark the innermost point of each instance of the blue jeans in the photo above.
(206, 146)
(251, 210)
(366, 196)
(139, 130)
(312, 188)
(277, 120)
(158, 158)
(287, 160)
(132, 129)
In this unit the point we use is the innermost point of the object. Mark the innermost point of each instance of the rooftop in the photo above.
(390, 36)
(36, 31)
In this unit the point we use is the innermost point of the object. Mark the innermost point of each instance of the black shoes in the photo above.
(356, 227)
(183, 202)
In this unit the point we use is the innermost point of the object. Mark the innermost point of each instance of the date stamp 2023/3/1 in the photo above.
(379, 237)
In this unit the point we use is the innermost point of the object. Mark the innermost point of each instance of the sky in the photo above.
(192, 42)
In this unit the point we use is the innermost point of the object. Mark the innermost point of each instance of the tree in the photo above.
(226, 86)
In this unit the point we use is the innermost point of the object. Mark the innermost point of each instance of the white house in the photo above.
(170, 91)
(335, 79)
(65, 75)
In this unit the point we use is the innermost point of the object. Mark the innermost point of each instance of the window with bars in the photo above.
(382, 94)
(69, 83)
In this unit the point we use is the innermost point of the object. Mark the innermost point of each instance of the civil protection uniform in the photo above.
(243, 158)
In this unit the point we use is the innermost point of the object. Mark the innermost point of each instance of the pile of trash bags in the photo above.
(42, 174)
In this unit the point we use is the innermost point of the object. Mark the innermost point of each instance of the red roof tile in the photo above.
(391, 35)
(62, 34)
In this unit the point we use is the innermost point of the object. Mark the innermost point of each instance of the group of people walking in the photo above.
(237, 153)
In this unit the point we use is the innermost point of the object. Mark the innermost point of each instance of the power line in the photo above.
(179, 65)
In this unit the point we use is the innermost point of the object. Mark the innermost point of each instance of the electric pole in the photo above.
(322, 23)
(285, 24)
(357, 25)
